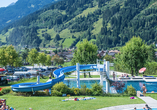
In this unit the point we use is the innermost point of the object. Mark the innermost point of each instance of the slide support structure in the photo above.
(78, 74)
(107, 75)
(38, 79)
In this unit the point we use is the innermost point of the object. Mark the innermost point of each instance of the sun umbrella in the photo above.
(1, 69)
(142, 70)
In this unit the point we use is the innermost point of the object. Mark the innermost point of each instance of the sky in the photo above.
(4, 3)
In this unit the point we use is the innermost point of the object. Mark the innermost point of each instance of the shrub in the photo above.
(97, 89)
(37, 93)
(56, 93)
(118, 86)
(61, 87)
(71, 91)
(130, 91)
(6, 90)
(88, 91)
(1, 93)
(77, 91)
(83, 90)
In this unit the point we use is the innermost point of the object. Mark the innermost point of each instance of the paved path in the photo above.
(148, 100)
(124, 107)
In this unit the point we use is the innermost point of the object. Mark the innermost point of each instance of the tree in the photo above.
(108, 58)
(61, 60)
(42, 58)
(3, 57)
(57, 37)
(151, 53)
(11, 55)
(18, 62)
(48, 60)
(134, 54)
(32, 57)
(25, 54)
(57, 60)
(86, 53)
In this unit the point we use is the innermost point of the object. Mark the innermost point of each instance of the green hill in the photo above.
(107, 23)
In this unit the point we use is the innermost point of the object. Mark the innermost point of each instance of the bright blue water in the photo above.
(151, 86)
(144, 109)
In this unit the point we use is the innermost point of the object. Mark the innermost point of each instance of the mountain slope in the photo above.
(107, 23)
(20, 9)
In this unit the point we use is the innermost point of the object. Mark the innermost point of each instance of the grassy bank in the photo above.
(56, 103)
(153, 95)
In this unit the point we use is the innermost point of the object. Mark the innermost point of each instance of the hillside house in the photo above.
(113, 52)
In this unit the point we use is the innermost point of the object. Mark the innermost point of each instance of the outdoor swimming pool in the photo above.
(151, 86)
(144, 109)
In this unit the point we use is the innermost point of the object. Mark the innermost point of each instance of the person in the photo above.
(7, 108)
(3, 106)
(134, 108)
(127, 75)
(113, 76)
(122, 75)
(49, 76)
(146, 107)
(144, 89)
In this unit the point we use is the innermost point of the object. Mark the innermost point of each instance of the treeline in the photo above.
(121, 21)
(9, 56)
(126, 22)
(20, 9)
(24, 36)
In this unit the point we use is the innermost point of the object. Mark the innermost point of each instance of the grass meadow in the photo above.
(56, 103)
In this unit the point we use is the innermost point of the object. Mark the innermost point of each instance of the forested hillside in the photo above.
(20, 9)
(107, 23)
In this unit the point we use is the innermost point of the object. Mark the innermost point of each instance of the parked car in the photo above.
(23, 69)
(59, 66)
(13, 78)
(3, 80)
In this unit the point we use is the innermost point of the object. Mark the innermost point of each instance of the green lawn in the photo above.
(56, 103)
(153, 95)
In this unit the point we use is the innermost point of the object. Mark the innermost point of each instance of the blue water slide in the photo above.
(59, 77)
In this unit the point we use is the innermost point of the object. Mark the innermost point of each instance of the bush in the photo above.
(71, 91)
(130, 91)
(77, 91)
(115, 95)
(83, 90)
(88, 91)
(56, 93)
(61, 87)
(118, 86)
(1, 93)
(37, 93)
(97, 89)
(6, 90)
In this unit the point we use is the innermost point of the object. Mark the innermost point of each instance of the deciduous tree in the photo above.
(3, 57)
(11, 55)
(42, 58)
(86, 53)
(57, 60)
(32, 56)
(48, 60)
(108, 58)
(134, 54)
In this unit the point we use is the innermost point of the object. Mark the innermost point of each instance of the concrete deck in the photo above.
(150, 101)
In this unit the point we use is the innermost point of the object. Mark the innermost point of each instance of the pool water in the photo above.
(151, 86)
(145, 109)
